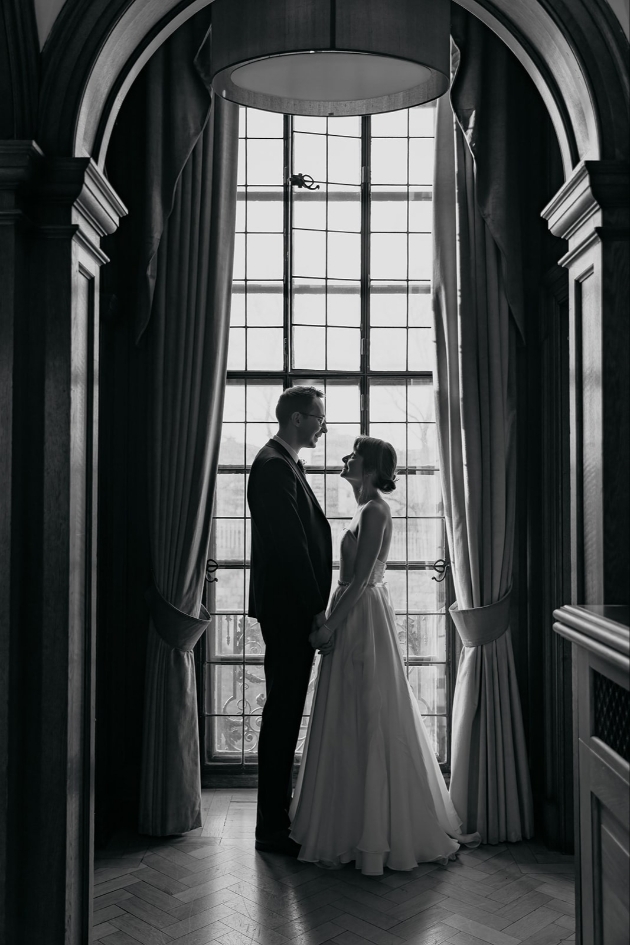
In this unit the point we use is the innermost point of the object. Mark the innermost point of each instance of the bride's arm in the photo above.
(369, 540)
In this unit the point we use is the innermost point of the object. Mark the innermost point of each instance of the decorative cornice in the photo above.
(99, 202)
(62, 198)
(18, 162)
(14, 218)
(19, 166)
(594, 186)
(572, 205)
(91, 246)
(591, 239)
(77, 184)
(58, 231)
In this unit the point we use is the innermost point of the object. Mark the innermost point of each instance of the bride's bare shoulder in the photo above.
(377, 510)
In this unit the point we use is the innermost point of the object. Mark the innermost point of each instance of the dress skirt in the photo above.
(369, 788)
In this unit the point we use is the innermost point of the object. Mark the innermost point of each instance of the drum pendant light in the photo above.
(330, 57)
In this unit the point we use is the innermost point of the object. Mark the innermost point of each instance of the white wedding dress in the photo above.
(369, 787)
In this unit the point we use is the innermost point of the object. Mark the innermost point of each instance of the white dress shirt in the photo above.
(288, 448)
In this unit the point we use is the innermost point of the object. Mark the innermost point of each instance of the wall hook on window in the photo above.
(303, 180)
(442, 567)
(211, 567)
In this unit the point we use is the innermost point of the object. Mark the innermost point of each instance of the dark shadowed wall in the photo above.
(124, 569)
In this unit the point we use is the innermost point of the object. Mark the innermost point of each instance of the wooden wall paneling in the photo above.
(82, 565)
(591, 211)
(557, 806)
(600, 639)
(51, 725)
(18, 165)
(587, 289)
(616, 405)
(77, 208)
(19, 157)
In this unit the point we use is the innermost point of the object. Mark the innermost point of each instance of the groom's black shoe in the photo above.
(280, 843)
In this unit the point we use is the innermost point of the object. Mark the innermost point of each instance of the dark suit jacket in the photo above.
(291, 556)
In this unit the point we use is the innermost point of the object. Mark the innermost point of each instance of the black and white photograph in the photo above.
(314, 472)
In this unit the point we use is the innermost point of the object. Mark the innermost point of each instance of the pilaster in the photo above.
(591, 211)
(18, 163)
(59, 211)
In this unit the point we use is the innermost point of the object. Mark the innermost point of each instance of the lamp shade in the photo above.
(330, 57)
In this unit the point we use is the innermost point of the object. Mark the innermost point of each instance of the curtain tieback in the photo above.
(176, 628)
(481, 625)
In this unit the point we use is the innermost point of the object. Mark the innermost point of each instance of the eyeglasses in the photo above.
(322, 420)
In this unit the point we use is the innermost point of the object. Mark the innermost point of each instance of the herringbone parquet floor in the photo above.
(211, 886)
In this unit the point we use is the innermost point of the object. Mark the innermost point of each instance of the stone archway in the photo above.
(56, 187)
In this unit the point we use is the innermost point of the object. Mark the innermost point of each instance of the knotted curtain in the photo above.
(478, 307)
(183, 310)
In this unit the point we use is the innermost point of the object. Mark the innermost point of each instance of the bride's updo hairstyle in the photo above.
(378, 457)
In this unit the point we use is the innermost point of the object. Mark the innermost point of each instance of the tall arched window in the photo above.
(331, 288)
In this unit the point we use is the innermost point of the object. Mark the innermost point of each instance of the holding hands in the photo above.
(321, 637)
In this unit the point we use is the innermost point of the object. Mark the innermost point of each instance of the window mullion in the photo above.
(287, 233)
(365, 270)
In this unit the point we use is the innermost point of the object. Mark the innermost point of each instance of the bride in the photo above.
(369, 787)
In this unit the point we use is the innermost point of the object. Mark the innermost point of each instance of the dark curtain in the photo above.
(479, 318)
(492, 103)
(177, 272)
(188, 338)
(176, 101)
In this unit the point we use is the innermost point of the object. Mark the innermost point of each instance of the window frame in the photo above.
(244, 773)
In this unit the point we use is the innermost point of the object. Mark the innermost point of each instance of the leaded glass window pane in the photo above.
(332, 288)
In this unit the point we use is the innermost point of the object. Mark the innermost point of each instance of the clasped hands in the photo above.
(321, 637)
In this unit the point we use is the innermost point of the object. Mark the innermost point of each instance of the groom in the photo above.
(291, 566)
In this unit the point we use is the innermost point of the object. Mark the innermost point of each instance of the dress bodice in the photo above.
(347, 556)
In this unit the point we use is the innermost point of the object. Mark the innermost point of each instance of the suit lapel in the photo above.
(300, 472)
(307, 485)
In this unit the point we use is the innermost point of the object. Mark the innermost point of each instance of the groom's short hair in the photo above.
(295, 398)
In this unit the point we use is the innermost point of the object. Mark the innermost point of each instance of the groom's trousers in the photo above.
(288, 663)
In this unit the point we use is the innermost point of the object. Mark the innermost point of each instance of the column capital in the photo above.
(18, 160)
(57, 197)
(596, 195)
(19, 164)
(78, 184)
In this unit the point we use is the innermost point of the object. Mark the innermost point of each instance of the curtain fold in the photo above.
(174, 104)
(476, 334)
(191, 273)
